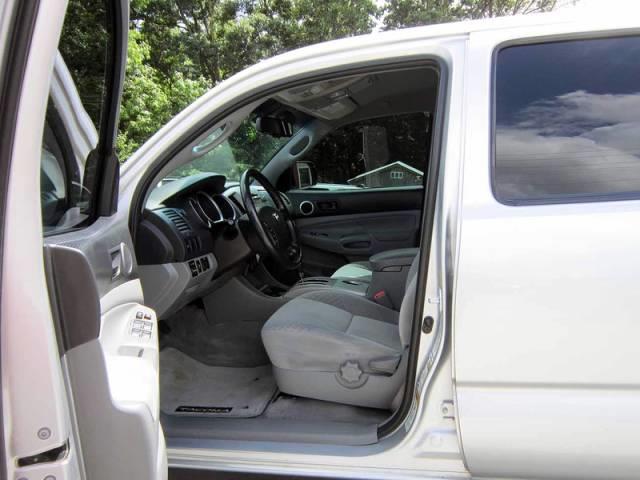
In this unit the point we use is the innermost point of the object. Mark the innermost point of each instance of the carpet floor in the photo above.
(189, 387)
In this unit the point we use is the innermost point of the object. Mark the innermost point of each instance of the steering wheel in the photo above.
(273, 226)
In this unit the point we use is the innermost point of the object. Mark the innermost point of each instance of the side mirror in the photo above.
(276, 127)
(304, 174)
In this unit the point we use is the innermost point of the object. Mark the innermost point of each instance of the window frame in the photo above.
(17, 36)
(102, 167)
(72, 176)
(555, 200)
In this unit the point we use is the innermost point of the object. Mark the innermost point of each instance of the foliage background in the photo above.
(178, 49)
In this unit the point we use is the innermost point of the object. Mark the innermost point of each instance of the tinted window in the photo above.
(378, 153)
(568, 121)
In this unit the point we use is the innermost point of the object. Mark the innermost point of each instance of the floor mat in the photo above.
(188, 387)
(223, 344)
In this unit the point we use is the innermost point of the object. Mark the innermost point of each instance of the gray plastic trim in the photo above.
(169, 286)
(378, 391)
(70, 276)
(96, 241)
(192, 430)
(104, 426)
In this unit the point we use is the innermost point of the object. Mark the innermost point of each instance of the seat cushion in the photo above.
(356, 270)
(322, 330)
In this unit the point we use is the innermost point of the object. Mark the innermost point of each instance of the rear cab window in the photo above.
(567, 121)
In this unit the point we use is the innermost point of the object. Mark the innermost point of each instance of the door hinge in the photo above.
(57, 453)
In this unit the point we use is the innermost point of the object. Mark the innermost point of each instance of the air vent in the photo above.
(306, 207)
(178, 220)
(192, 245)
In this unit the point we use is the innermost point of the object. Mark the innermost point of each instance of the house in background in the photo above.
(396, 174)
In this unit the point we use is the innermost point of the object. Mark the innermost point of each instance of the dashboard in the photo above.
(193, 230)
(191, 217)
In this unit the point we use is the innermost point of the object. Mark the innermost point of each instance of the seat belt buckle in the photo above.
(380, 297)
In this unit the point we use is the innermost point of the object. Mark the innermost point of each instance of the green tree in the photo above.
(83, 46)
(150, 99)
(178, 48)
(412, 13)
(217, 38)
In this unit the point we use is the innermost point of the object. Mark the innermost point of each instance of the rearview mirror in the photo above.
(276, 127)
(304, 174)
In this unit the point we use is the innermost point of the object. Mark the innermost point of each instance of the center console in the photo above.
(386, 286)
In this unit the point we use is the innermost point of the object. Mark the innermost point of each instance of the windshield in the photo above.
(245, 148)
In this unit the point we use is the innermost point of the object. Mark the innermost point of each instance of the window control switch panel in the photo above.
(142, 325)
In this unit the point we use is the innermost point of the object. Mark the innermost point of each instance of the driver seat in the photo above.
(335, 346)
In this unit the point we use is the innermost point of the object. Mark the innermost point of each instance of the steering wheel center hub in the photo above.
(275, 226)
(271, 221)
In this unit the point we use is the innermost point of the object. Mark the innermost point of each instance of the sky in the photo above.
(627, 5)
(630, 6)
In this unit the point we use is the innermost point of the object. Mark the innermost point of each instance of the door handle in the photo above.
(121, 261)
(355, 242)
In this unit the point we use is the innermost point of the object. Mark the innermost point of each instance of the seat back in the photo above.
(408, 302)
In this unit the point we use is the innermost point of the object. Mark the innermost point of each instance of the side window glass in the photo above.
(59, 173)
(388, 152)
(67, 173)
(567, 121)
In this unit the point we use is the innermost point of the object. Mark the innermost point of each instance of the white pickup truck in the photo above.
(204, 312)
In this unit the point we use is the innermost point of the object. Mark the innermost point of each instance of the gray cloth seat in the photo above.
(336, 346)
